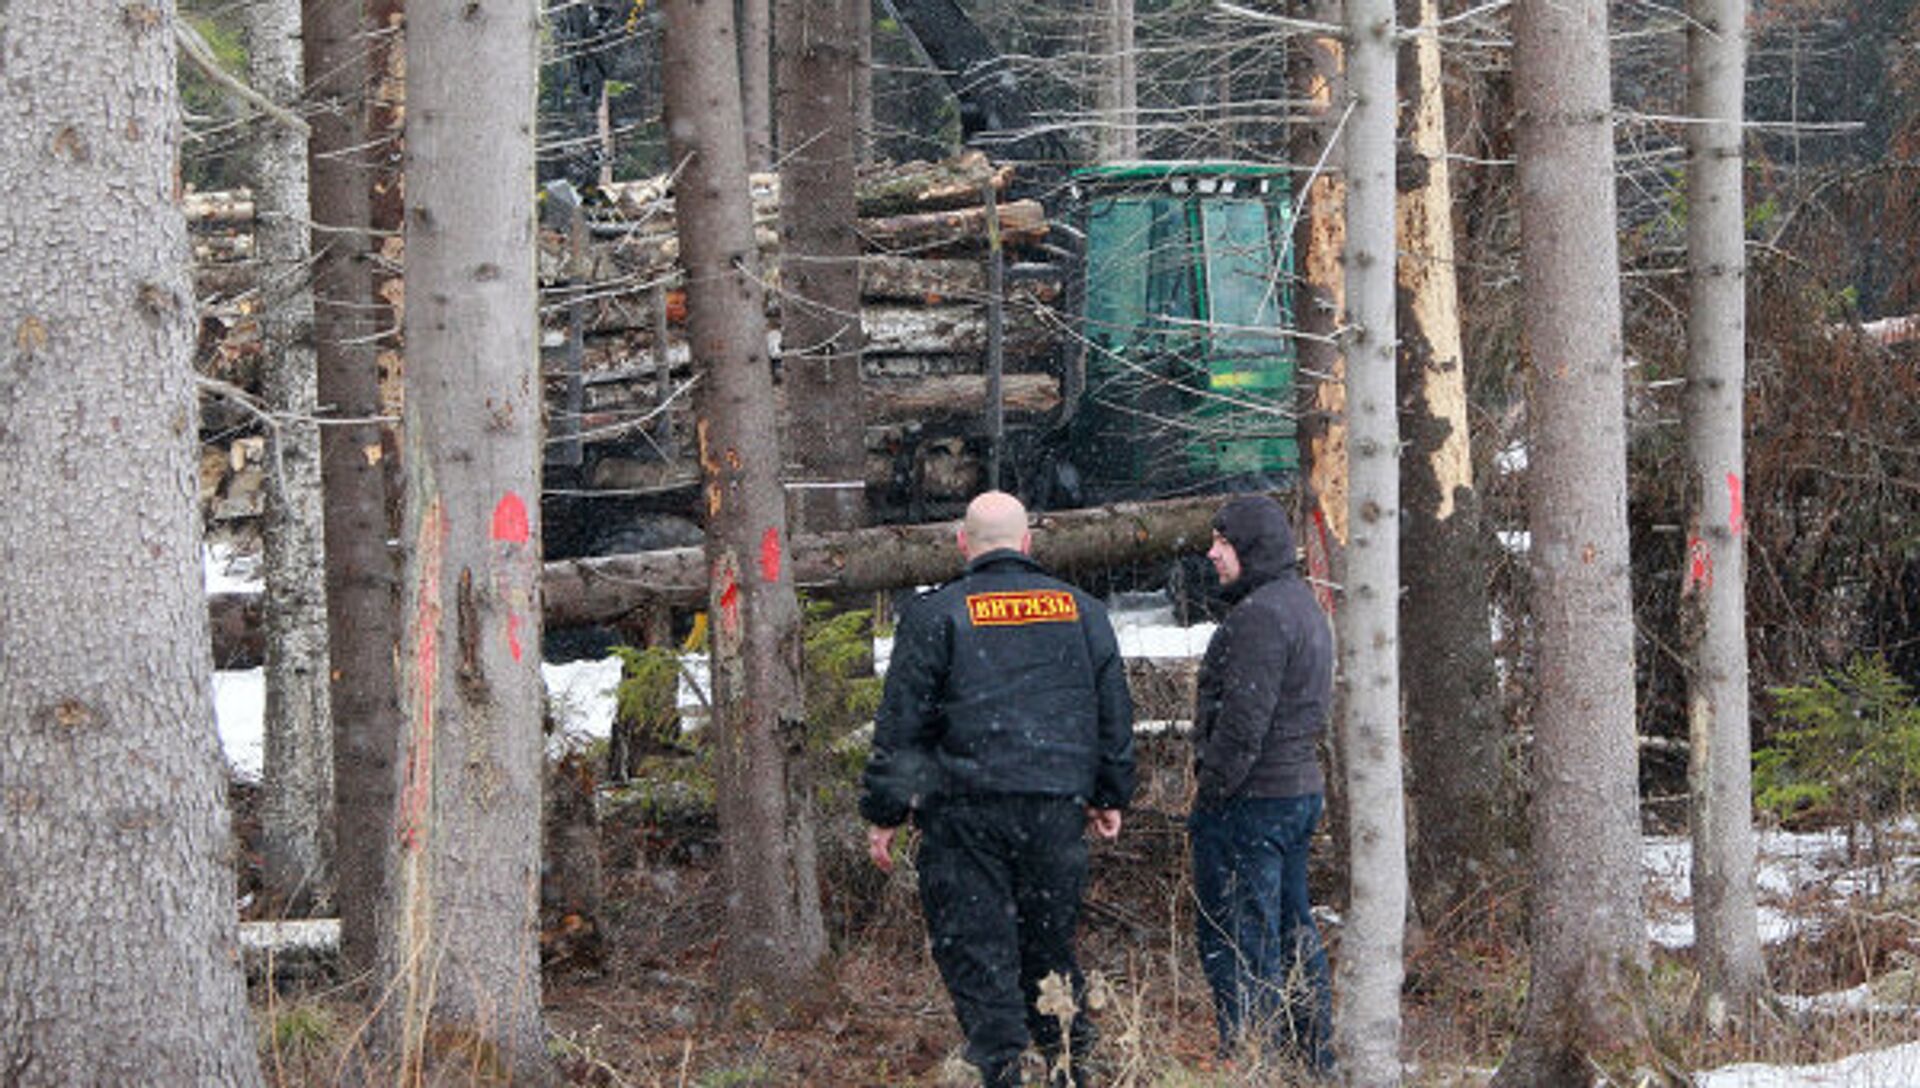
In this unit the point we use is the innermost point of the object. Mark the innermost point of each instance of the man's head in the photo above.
(1251, 536)
(994, 520)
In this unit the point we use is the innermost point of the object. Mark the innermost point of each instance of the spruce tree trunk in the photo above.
(756, 80)
(1714, 619)
(1588, 956)
(118, 957)
(297, 798)
(363, 589)
(1464, 788)
(820, 335)
(465, 957)
(1367, 1021)
(1117, 92)
(775, 937)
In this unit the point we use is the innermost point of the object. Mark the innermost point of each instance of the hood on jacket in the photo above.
(1261, 536)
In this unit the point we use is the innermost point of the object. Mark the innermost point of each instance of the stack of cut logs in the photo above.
(615, 354)
(924, 276)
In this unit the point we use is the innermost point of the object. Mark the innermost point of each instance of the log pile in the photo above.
(614, 348)
(617, 309)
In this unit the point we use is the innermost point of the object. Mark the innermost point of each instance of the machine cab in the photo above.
(1186, 346)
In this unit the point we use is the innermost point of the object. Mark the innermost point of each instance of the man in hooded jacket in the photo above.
(1263, 694)
(1005, 731)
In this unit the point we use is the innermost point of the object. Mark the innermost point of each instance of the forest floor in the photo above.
(641, 1008)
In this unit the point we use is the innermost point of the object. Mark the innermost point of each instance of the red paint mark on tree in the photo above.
(770, 554)
(510, 521)
(730, 608)
(513, 633)
(1736, 509)
(1699, 566)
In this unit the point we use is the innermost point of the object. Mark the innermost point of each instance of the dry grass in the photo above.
(650, 1017)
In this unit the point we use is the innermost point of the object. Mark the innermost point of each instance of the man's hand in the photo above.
(880, 847)
(1105, 822)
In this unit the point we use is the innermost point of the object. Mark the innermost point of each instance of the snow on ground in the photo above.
(1895, 1067)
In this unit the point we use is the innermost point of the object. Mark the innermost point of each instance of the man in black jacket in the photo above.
(1005, 730)
(1262, 698)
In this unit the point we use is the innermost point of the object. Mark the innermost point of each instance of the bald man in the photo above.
(1005, 733)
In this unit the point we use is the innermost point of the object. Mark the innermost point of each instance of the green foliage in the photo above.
(303, 1030)
(842, 694)
(649, 690)
(1853, 747)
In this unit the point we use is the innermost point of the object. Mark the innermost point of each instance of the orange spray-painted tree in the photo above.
(464, 959)
(775, 935)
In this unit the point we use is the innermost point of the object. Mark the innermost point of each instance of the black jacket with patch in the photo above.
(1003, 681)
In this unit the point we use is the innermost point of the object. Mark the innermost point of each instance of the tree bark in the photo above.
(820, 336)
(363, 589)
(1588, 956)
(1367, 1023)
(581, 591)
(775, 937)
(465, 968)
(119, 963)
(297, 833)
(756, 80)
(1117, 91)
(1713, 602)
(1465, 789)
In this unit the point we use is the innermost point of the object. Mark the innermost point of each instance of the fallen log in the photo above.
(1022, 223)
(581, 592)
(600, 590)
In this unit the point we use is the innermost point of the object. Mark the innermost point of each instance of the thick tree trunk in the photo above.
(1367, 1021)
(119, 963)
(1720, 778)
(775, 937)
(297, 833)
(1589, 953)
(465, 966)
(820, 335)
(1465, 789)
(579, 591)
(362, 578)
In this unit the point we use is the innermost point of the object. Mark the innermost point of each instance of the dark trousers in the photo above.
(1000, 881)
(1259, 948)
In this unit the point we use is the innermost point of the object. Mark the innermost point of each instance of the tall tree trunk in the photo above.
(1720, 778)
(1116, 98)
(860, 29)
(756, 80)
(1370, 969)
(465, 963)
(297, 804)
(820, 268)
(1465, 792)
(119, 960)
(1319, 238)
(775, 937)
(1588, 934)
(1318, 74)
(362, 579)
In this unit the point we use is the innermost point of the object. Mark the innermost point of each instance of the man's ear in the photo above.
(960, 538)
(1026, 542)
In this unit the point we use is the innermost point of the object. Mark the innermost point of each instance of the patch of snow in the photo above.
(1895, 1067)
(239, 704)
(227, 571)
